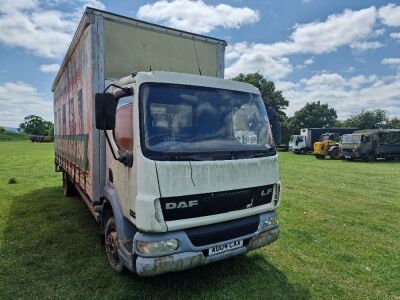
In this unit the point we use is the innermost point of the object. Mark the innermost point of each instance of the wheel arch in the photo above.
(111, 207)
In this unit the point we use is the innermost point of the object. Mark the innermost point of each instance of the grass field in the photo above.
(340, 238)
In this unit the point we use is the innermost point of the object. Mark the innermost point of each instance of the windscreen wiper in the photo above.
(183, 156)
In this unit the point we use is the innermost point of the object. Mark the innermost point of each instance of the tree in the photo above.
(2, 129)
(394, 123)
(270, 96)
(36, 125)
(313, 114)
(372, 119)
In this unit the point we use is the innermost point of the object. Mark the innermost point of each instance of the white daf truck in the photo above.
(175, 163)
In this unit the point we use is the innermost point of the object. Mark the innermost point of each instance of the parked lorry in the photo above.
(304, 142)
(41, 138)
(371, 144)
(176, 163)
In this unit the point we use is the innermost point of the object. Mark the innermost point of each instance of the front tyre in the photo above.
(112, 244)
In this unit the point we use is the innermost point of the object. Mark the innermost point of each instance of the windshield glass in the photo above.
(296, 139)
(184, 122)
(351, 139)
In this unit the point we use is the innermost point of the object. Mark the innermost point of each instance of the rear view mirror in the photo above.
(105, 108)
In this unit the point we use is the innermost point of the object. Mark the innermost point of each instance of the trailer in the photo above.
(176, 163)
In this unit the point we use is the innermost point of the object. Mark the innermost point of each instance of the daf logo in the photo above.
(182, 204)
(263, 193)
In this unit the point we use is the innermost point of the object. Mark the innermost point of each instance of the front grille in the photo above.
(215, 233)
(347, 151)
(192, 206)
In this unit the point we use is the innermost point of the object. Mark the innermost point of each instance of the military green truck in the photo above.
(371, 144)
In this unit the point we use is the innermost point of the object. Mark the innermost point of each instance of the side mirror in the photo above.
(105, 108)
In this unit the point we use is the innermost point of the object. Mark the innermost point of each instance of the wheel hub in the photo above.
(112, 245)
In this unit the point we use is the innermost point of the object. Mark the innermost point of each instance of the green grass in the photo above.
(339, 238)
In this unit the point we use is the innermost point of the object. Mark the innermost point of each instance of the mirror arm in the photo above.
(109, 144)
(128, 91)
(123, 157)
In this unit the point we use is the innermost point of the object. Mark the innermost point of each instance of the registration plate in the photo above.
(225, 247)
(347, 156)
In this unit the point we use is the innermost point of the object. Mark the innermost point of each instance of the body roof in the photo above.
(86, 20)
(374, 131)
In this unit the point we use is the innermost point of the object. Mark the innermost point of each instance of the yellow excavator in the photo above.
(328, 145)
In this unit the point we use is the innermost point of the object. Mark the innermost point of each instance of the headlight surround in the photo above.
(159, 247)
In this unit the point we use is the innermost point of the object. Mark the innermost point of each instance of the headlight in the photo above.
(157, 247)
(272, 221)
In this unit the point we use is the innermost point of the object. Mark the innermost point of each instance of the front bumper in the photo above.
(189, 256)
(351, 154)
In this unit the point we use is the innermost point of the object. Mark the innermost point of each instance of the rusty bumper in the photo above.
(150, 266)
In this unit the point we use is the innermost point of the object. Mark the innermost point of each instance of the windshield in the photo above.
(186, 122)
(296, 139)
(351, 139)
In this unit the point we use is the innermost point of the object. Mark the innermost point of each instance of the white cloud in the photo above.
(271, 60)
(47, 33)
(364, 46)
(53, 68)
(336, 31)
(379, 32)
(390, 15)
(391, 61)
(19, 99)
(251, 58)
(348, 95)
(197, 16)
(395, 35)
(309, 61)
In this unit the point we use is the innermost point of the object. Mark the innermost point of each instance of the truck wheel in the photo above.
(303, 151)
(68, 186)
(334, 154)
(319, 156)
(111, 244)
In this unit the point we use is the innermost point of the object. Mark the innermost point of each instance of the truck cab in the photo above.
(191, 165)
(371, 144)
(359, 146)
(297, 144)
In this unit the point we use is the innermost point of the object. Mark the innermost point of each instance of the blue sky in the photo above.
(344, 53)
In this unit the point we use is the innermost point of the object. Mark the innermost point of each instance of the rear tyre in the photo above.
(68, 186)
(303, 151)
(111, 243)
(319, 156)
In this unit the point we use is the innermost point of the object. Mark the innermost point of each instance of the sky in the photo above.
(344, 53)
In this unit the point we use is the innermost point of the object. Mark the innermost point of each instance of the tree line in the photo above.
(314, 114)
